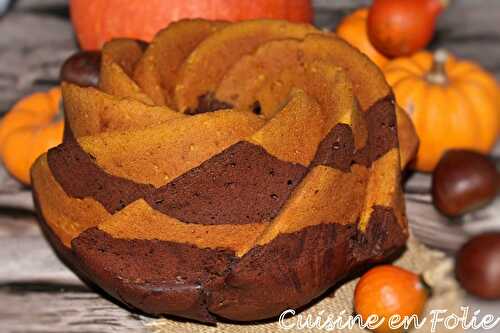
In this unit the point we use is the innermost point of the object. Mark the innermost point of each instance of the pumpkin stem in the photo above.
(437, 74)
(445, 3)
(60, 113)
(438, 6)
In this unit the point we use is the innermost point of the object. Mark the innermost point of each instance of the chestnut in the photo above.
(82, 68)
(478, 266)
(462, 181)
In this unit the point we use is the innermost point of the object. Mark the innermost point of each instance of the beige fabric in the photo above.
(434, 265)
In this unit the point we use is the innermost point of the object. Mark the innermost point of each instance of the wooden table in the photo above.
(39, 294)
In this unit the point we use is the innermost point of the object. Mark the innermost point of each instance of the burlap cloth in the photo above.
(435, 267)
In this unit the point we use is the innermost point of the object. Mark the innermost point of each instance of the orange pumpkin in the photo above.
(388, 290)
(453, 104)
(353, 29)
(401, 27)
(33, 126)
(97, 21)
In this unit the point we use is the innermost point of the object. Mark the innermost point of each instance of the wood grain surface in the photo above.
(39, 294)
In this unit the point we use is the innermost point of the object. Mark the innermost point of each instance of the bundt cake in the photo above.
(226, 170)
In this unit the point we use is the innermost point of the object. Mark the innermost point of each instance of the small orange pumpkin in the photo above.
(33, 126)
(388, 290)
(401, 27)
(453, 104)
(353, 29)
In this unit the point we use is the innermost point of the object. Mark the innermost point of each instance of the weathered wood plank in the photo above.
(32, 49)
(28, 258)
(13, 195)
(40, 307)
(39, 294)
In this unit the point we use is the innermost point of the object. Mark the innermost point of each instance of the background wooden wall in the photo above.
(36, 37)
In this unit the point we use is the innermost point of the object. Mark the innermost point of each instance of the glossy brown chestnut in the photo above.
(82, 68)
(478, 266)
(462, 181)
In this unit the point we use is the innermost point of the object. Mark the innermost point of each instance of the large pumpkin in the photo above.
(97, 21)
(453, 104)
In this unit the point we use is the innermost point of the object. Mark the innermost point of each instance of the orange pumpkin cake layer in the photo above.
(139, 221)
(156, 71)
(66, 216)
(158, 154)
(90, 111)
(310, 204)
(119, 58)
(202, 71)
(301, 123)
(242, 82)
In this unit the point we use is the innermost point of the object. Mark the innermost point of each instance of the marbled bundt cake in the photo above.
(225, 170)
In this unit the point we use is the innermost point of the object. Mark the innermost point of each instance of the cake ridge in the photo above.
(240, 38)
(156, 71)
(90, 111)
(119, 56)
